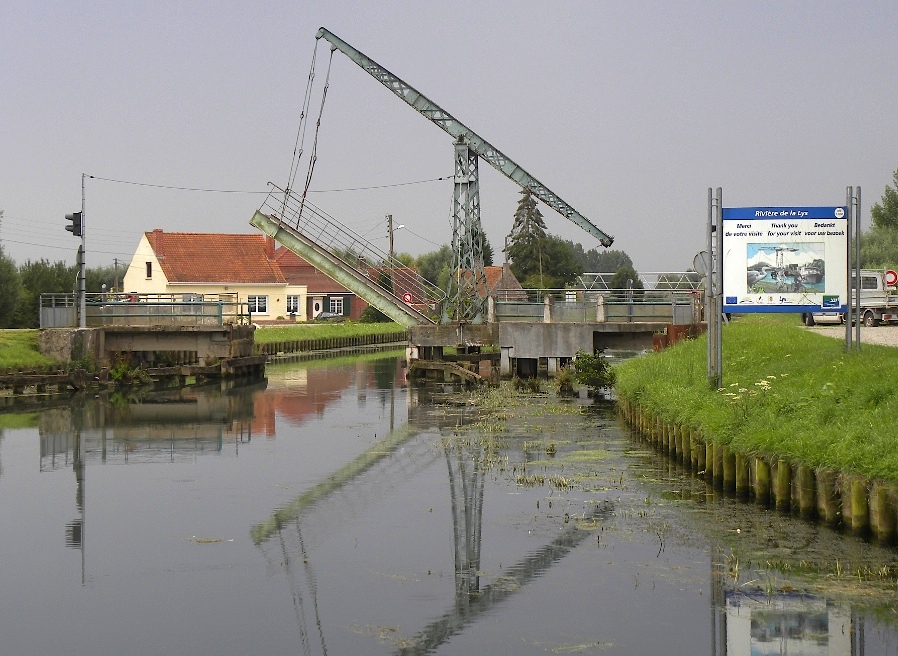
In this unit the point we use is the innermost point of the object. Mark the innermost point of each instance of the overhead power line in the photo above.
(251, 191)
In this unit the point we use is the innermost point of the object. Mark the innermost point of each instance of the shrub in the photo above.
(372, 315)
(592, 370)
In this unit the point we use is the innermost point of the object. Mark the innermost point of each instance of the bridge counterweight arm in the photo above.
(455, 128)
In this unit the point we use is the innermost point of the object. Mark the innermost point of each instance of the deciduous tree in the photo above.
(885, 213)
(10, 290)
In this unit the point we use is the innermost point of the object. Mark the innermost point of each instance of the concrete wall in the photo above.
(70, 344)
(485, 334)
(541, 340)
(95, 345)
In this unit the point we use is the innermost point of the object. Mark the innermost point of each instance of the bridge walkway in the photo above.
(348, 258)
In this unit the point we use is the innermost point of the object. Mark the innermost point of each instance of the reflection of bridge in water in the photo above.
(740, 623)
(359, 483)
(163, 426)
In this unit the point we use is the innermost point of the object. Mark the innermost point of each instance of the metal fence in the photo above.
(109, 309)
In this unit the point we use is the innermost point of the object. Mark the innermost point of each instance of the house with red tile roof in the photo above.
(211, 263)
(503, 284)
(323, 294)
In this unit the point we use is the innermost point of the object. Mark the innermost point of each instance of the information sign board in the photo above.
(785, 259)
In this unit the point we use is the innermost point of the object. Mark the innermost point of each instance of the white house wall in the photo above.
(135, 281)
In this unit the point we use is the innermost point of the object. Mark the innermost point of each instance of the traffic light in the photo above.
(75, 228)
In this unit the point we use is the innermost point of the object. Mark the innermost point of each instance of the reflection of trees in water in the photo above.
(384, 373)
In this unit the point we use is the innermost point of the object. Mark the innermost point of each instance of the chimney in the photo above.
(155, 240)
(269, 247)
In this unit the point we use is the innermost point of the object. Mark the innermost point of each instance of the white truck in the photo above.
(878, 304)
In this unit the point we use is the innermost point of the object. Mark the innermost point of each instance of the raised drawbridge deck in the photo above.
(348, 258)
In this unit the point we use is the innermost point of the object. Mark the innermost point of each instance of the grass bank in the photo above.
(19, 350)
(786, 392)
(269, 334)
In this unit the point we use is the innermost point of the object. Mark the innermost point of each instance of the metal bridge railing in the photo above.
(671, 280)
(356, 252)
(585, 305)
(113, 309)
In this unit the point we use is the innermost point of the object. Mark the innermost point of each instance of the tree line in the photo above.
(538, 260)
(21, 287)
(879, 245)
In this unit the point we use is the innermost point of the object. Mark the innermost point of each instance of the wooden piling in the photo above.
(783, 485)
(709, 462)
(743, 476)
(863, 507)
(829, 501)
(762, 482)
(860, 508)
(807, 492)
(729, 469)
(882, 513)
(698, 453)
(718, 466)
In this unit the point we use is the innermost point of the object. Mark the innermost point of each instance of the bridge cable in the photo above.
(301, 128)
(314, 155)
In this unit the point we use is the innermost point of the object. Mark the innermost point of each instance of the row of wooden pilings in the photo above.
(326, 343)
(853, 503)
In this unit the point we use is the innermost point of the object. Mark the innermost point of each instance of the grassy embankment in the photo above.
(19, 350)
(268, 334)
(786, 392)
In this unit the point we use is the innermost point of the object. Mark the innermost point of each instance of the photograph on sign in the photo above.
(784, 259)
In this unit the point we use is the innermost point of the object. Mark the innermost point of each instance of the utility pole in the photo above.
(390, 233)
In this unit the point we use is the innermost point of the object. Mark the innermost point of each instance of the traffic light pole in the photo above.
(82, 287)
(77, 229)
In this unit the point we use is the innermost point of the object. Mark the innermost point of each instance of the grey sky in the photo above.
(627, 110)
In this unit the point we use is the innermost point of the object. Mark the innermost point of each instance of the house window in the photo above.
(149, 270)
(292, 304)
(257, 304)
(337, 305)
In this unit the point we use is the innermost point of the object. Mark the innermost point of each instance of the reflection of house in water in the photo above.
(297, 393)
(177, 424)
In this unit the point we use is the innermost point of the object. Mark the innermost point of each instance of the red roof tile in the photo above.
(214, 258)
(298, 271)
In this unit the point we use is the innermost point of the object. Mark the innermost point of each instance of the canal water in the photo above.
(335, 509)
